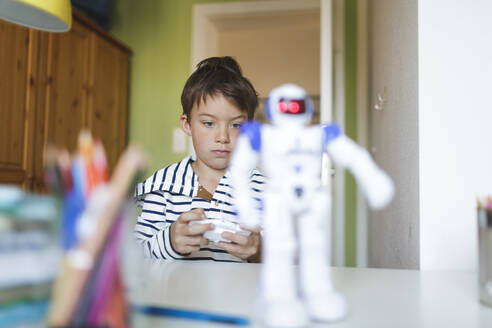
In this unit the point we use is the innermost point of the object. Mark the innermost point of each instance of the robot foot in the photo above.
(285, 314)
(327, 307)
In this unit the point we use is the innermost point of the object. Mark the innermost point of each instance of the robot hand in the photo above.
(381, 189)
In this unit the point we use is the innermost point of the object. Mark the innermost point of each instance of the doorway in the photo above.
(276, 42)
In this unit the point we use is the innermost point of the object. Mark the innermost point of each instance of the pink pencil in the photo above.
(106, 276)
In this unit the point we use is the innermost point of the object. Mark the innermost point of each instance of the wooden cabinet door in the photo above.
(18, 59)
(107, 114)
(67, 80)
(62, 93)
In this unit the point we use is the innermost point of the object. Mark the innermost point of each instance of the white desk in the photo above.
(376, 297)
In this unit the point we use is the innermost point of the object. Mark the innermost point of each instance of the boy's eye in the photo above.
(208, 123)
(236, 125)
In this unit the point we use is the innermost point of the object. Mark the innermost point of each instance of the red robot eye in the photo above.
(282, 106)
(292, 106)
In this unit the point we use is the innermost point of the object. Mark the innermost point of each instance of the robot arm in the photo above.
(375, 183)
(243, 160)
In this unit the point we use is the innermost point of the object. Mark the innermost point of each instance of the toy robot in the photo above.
(296, 209)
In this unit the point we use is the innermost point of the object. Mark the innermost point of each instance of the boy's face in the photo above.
(214, 128)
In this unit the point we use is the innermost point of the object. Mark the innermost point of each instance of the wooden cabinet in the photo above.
(18, 52)
(53, 85)
(109, 73)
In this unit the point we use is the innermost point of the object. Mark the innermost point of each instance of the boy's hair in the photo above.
(219, 75)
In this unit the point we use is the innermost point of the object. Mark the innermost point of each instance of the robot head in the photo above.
(289, 104)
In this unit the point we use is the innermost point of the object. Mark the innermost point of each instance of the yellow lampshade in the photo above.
(46, 15)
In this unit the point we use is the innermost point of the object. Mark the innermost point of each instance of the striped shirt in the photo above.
(173, 190)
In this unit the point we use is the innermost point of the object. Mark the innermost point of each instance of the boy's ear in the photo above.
(185, 125)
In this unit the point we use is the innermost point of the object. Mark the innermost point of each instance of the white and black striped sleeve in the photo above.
(153, 230)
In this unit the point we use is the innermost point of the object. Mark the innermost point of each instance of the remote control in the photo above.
(220, 227)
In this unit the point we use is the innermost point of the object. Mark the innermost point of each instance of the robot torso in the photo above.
(291, 157)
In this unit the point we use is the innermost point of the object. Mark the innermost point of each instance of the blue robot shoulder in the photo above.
(330, 132)
(252, 130)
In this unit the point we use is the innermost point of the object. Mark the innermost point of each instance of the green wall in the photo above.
(159, 33)
(350, 62)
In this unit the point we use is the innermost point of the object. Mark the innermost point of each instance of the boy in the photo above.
(216, 100)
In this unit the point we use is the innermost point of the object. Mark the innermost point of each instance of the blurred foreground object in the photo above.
(484, 214)
(89, 289)
(29, 255)
(297, 208)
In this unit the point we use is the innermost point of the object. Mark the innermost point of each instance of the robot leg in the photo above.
(280, 302)
(323, 301)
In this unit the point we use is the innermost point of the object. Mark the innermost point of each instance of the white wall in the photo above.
(273, 50)
(393, 240)
(455, 134)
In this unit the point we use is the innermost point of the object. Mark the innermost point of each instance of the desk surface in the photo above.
(376, 297)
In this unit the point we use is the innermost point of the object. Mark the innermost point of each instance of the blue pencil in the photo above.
(188, 314)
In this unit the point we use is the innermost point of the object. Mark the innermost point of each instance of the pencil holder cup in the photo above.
(485, 255)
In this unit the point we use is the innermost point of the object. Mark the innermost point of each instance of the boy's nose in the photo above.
(222, 136)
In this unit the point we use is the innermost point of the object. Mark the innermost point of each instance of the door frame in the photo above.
(363, 107)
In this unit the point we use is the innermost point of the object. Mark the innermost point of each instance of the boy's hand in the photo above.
(244, 247)
(185, 238)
